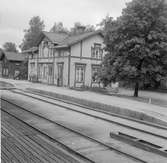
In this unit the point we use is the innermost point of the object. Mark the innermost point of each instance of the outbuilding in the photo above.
(12, 65)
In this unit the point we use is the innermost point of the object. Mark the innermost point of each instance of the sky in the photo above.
(15, 14)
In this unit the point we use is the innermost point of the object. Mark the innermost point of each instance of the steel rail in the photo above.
(75, 131)
(53, 139)
(91, 108)
(94, 109)
(98, 117)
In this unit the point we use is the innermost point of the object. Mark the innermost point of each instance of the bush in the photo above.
(33, 78)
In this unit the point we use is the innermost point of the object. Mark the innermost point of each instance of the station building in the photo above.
(66, 60)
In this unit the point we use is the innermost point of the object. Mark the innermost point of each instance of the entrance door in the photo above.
(60, 74)
(50, 73)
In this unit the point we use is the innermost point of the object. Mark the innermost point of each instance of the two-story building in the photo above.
(67, 60)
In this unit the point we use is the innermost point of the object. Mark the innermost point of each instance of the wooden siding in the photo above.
(78, 53)
(12, 67)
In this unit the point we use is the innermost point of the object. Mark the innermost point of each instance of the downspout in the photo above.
(53, 65)
(37, 66)
(69, 66)
(81, 49)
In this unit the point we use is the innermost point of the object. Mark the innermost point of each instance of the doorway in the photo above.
(60, 74)
(50, 73)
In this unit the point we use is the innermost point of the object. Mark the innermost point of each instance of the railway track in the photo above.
(150, 130)
(101, 152)
(36, 92)
(93, 109)
(21, 143)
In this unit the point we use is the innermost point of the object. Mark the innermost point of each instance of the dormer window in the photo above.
(45, 44)
(45, 49)
(96, 51)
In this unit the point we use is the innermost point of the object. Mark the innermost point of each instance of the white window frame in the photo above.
(80, 73)
(96, 51)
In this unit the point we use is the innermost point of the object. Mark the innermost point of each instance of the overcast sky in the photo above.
(15, 14)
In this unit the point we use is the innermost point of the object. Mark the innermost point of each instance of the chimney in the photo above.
(80, 29)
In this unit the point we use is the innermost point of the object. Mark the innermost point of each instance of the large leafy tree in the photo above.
(136, 44)
(31, 34)
(10, 47)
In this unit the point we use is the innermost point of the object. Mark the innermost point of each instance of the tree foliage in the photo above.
(87, 28)
(31, 34)
(136, 44)
(58, 27)
(10, 47)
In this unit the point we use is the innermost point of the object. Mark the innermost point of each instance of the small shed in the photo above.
(12, 65)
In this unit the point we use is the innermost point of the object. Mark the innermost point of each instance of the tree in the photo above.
(10, 47)
(58, 27)
(102, 24)
(31, 34)
(136, 44)
(75, 30)
(89, 28)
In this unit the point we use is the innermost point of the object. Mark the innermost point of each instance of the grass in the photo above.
(103, 91)
(158, 102)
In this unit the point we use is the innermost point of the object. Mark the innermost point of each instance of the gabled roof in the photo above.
(12, 56)
(33, 49)
(70, 40)
(62, 39)
(52, 36)
(1, 53)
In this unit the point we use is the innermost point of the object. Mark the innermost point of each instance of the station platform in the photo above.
(126, 107)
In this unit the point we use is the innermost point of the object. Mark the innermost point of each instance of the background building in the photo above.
(13, 65)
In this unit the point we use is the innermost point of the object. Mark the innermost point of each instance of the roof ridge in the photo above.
(70, 40)
(59, 32)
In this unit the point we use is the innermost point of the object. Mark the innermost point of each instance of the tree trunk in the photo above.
(136, 89)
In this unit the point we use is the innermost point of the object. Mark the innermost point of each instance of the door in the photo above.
(60, 74)
(50, 73)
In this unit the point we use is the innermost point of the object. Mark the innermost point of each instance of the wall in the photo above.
(45, 56)
(65, 70)
(88, 70)
(84, 59)
(62, 57)
(32, 60)
(86, 46)
(0, 68)
(12, 67)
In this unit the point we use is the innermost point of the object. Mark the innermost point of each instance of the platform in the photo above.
(126, 107)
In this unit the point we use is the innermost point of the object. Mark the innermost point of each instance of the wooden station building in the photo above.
(66, 60)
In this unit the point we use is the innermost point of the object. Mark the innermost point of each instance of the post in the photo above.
(136, 89)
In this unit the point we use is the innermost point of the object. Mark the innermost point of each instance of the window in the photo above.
(95, 71)
(16, 73)
(5, 71)
(17, 64)
(80, 73)
(45, 49)
(97, 51)
(45, 52)
(61, 53)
